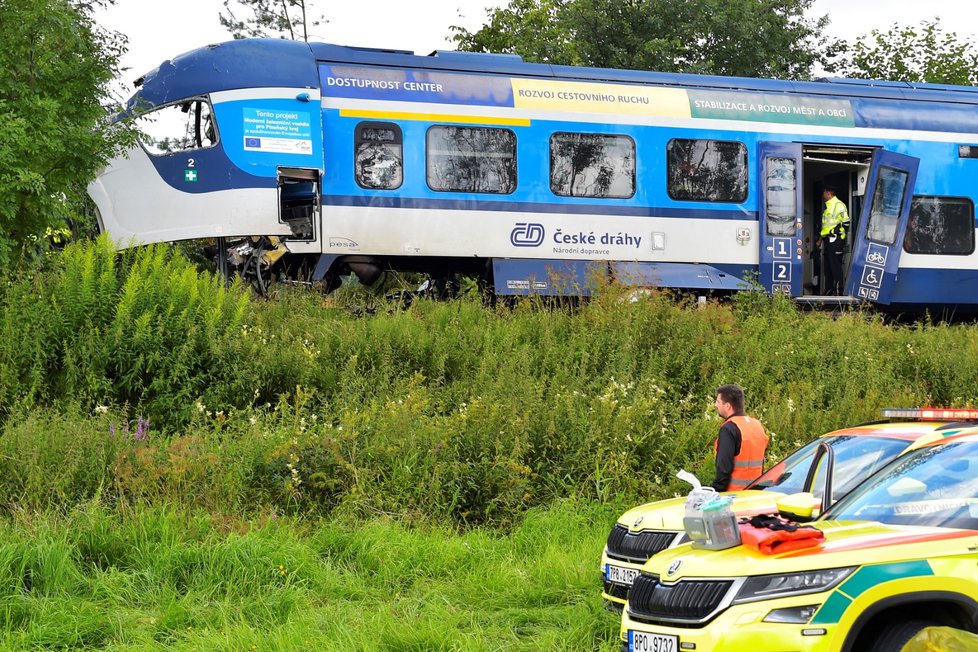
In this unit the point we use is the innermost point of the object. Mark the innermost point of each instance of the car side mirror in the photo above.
(798, 507)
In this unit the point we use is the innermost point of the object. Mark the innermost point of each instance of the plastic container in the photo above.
(693, 521)
(719, 525)
(709, 521)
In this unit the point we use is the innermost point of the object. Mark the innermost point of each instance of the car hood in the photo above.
(668, 514)
(851, 543)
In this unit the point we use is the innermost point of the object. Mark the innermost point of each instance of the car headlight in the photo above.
(765, 587)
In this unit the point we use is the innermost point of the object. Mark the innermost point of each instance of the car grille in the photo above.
(616, 590)
(637, 547)
(687, 601)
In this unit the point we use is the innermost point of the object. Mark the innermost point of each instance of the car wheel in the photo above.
(894, 636)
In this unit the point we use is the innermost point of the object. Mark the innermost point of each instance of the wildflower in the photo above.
(142, 429)
(253, 420)
(101, 409)
(791, 405)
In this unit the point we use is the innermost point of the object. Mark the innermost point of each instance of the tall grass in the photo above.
(136, 379)
(160, 579)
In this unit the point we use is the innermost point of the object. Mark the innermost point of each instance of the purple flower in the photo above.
(142, 429)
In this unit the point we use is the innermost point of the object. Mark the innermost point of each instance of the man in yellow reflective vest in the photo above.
(741, 443)
(835, 227)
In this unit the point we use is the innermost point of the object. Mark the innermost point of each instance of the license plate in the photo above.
(646, 642)
(620, 575)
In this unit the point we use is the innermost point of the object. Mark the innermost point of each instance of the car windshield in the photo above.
(856, 458)
(936, 486)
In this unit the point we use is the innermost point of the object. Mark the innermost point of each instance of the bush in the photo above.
(141, 328)
(454, 410)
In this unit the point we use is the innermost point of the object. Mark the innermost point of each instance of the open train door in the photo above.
(878, 237)
(779, 214)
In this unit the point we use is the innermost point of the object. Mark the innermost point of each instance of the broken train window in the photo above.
(379, 157)
(184, 126)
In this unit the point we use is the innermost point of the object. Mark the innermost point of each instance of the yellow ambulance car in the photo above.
(859, 451)
(900, 553)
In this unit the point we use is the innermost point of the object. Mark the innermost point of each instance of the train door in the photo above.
(791, 179)
(878, 233)
(299, 193)
(780, 217)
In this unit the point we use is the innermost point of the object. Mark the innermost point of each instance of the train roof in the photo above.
(250, 63)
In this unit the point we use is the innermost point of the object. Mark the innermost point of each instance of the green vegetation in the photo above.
(158, 580)
(56, 69)
(924, 53)
(139, 379)
(696, 36)
(184, 465)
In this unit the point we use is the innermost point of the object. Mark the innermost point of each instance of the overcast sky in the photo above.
(161, 29)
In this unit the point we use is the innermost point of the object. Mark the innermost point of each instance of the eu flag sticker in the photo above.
(253, 143)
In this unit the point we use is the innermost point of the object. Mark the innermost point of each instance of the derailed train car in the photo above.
(321, 160)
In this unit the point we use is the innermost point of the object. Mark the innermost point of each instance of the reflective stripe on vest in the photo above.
(749, 462)
(835, 214)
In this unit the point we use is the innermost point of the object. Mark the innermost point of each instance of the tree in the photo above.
(913, 54)
(765, 38)
(56, 67)
(270, 18)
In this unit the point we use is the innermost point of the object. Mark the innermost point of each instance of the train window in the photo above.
(471, 159)
(181, 127)
(781, 195)
(941, 226)
(592, 165)
(379, 158)
(707, 170)
(884, 212)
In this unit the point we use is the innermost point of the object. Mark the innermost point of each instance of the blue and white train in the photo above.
(544, 179)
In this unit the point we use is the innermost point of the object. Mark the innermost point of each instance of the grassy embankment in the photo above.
(436, 478)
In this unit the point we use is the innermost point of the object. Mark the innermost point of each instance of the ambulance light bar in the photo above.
(931, 414)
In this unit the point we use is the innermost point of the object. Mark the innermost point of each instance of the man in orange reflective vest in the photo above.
(741, 443)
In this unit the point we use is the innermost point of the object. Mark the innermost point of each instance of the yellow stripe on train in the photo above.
(434, 117)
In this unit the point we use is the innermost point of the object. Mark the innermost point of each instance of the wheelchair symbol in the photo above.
(872, 276)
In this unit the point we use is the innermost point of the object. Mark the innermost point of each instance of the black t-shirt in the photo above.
(728, 447)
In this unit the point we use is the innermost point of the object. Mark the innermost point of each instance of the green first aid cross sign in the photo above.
(190, 175)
